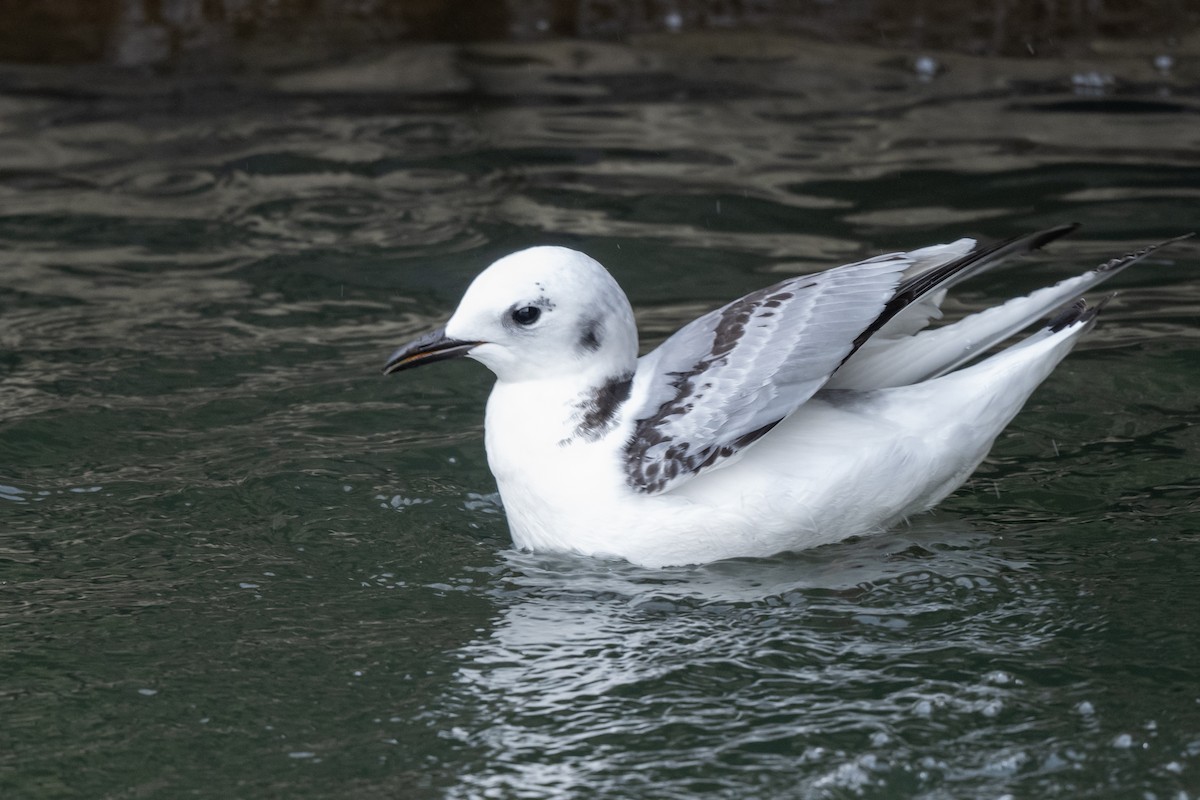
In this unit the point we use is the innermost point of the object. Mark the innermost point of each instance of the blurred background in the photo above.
(259, 33)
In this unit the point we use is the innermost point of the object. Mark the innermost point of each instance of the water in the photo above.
(237, 562)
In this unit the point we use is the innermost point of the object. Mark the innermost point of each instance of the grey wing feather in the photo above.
(726, 378)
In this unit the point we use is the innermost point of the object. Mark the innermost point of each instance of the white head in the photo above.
(545, 312)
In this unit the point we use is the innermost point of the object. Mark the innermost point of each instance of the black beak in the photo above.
(433, 346)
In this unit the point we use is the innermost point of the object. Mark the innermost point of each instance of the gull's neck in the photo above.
(548, 430)
(554, 448)
(561, 411)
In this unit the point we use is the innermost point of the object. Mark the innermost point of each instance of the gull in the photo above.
(816, 409)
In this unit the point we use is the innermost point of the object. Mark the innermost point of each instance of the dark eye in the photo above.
(527, 315)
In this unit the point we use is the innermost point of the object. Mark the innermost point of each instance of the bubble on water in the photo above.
(926, 67)
(1092, 83)
(1123, 741)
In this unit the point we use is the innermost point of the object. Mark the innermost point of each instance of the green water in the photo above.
(235, 561)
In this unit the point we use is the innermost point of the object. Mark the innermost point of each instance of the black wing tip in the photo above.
(1072, 313)
(949, 273)
(1039, 239)
(983, 254)
(1078, 312)
(1134, 256)
(1021, 244)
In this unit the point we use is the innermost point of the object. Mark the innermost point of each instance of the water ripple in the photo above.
(591, 673)
(229, 540)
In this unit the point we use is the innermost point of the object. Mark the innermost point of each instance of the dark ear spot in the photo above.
(591, 335)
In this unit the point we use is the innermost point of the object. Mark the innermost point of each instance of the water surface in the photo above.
(237, 562)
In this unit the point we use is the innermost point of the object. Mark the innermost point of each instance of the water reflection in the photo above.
(832, 661)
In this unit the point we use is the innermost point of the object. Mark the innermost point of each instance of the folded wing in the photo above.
(728, 377)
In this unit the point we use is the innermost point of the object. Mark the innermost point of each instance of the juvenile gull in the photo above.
(803, 413)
